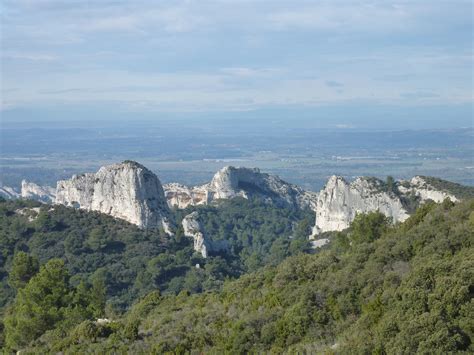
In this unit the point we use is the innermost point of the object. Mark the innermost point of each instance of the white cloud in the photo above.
(234, 54)
(42, 57)
(113, 23)
(250, 72)
(341, 16)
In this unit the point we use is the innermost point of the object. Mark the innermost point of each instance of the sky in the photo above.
(347, 63)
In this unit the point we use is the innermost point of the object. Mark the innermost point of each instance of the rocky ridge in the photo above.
(231, 182)
(132, 192)
(182, 196)
(127, 190)
(340, 201)
(32, 191)
(423, 190)
(9, 193)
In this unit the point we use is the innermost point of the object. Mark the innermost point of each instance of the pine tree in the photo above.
(23, 268)
(39, 306)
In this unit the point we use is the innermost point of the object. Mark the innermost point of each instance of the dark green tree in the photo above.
(39, 306)
(24, 267)
(96, 239)
(98, 295)
(368, 227)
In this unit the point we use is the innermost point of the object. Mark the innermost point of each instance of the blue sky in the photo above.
(65, 59)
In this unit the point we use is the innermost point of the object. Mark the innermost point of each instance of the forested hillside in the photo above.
(132, 262)
(378, 289)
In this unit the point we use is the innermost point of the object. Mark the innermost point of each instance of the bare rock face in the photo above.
(9, 193)
(181, 196)
(32, 191)
(421, 188)
(127, 190)
(231, 182)
(340, 201)
(192, 229)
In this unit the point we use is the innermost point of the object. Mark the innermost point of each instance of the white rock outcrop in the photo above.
(231, 182)
(339, 202)
(32, 191)
(319, 243)
(127, 190)
(424, 190)
(31, 213)
(182, 196)
(192, 229)
(9, 193)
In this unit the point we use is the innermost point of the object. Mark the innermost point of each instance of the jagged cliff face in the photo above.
(192, 229)
(340, 201)
(231, 182)
(128, 191)
(32, 191)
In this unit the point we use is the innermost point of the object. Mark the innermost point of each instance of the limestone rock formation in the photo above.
(231, 182)
(340, 201)
(32, 191)
(127, 190)
(9, 193)
(181, 196)
(245, 182)
(192, 229)
(421, 188)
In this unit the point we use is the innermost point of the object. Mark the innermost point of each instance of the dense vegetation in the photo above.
(132, 262)
(378, 288)
(257, 233)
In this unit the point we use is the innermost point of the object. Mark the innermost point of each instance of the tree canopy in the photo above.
(377, 289)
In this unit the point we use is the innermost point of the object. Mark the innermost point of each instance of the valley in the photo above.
(305, 155)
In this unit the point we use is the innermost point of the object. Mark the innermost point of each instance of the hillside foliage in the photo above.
(377, 289)
(133, 262)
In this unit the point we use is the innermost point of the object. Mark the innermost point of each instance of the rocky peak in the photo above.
(127, 190)
(231, 182)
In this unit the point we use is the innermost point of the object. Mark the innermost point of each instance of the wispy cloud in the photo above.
(235, 55)
(42, 57)
(117, 23)
(334, 84)
(419, 95)
(353, 16)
